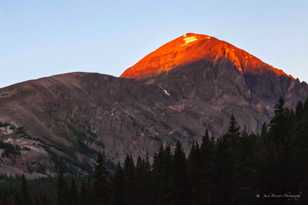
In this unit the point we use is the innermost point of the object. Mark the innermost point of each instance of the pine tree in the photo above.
(263, 131)
(227, 164)
(162, 168)
(84, 194)
(207, 177)
(73, 193)
(233, 134)
(182, 189)
(62, 189)
(279, 127)
(101, 181)
(195, 172)
(300, 151)
(142, 174)
(130, 176)
(275, 172)
(119, 187)
(299, 110)
(25, 195)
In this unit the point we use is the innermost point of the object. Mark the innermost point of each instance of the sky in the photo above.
(42, 38)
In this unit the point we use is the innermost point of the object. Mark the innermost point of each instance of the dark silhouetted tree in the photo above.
(101, 181)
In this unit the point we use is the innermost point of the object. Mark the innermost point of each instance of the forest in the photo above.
(238, 168)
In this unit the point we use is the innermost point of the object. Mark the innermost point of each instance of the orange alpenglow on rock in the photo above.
(190, 48)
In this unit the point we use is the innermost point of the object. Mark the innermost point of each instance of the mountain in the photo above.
(190, 84)
(191, 48)
(211, 75)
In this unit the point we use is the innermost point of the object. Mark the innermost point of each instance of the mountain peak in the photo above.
(193, 47)
(191, 37)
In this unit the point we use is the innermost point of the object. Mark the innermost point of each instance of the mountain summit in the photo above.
(190, 48)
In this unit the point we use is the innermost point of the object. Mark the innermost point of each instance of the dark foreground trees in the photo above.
(238, 168)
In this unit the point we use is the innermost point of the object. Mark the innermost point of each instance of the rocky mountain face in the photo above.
(192, 83)
(216, 78)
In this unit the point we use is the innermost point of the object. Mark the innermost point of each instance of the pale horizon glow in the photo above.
(44, 38)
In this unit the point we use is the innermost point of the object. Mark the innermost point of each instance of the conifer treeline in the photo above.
(238, 168)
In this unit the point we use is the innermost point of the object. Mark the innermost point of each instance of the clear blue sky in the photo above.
(40, 38)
